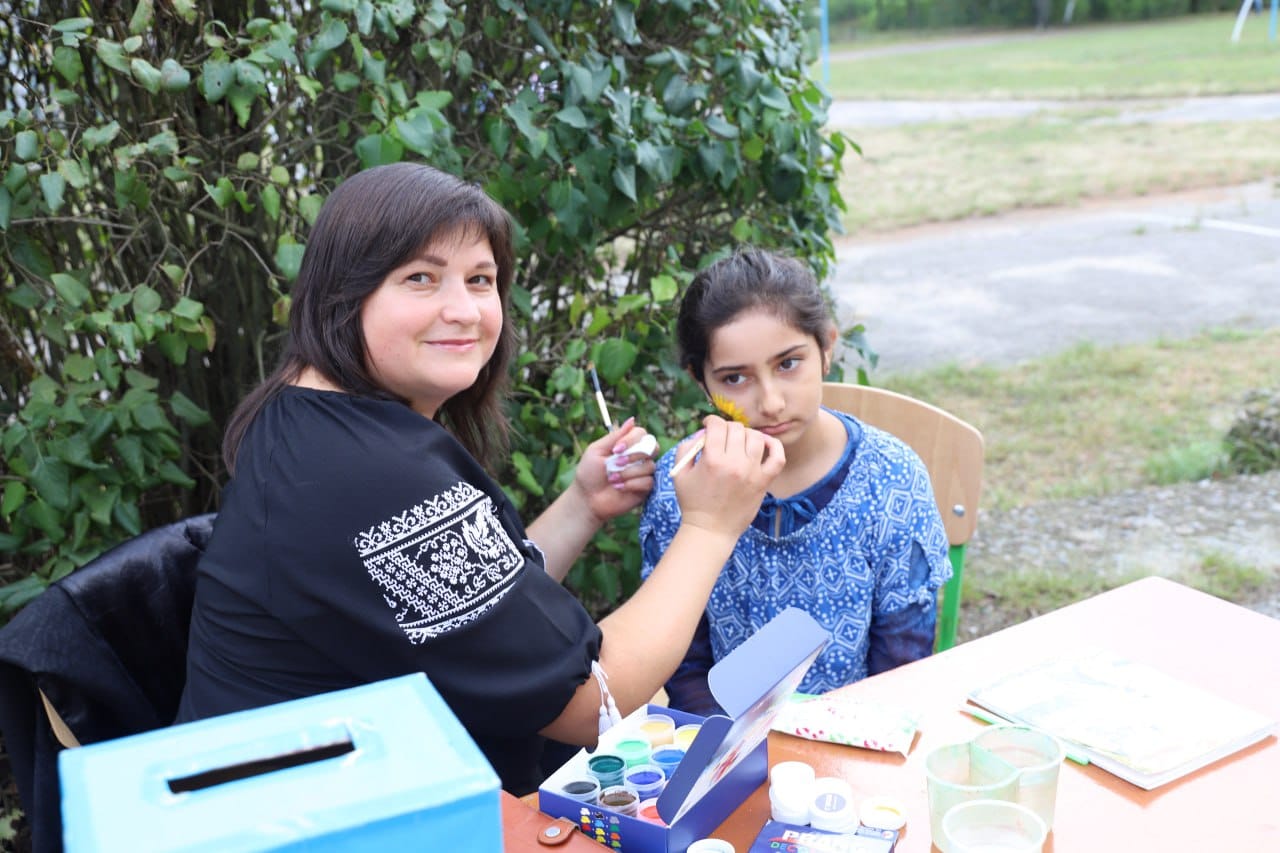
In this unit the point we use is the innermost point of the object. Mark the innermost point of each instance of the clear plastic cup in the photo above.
(992, 826)
(1038, 757)
(961, 772)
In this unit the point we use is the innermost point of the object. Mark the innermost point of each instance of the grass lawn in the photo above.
(1185, 56)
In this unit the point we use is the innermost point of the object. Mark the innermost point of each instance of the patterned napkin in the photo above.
(836, 719)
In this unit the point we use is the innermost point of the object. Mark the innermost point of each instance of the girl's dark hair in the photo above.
(372, 223)
(749, 279)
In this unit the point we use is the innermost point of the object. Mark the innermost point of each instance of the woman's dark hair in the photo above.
(372, 223)
(749, 279)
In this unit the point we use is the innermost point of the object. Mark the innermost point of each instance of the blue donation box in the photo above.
(384, 766)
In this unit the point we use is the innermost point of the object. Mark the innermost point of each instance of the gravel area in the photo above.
(1165, 530)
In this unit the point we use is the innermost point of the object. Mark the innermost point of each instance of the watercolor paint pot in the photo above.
(585, 790)
(649, 812)
(667, 758)
(633, 751)
(658, 729)
(685, 734)
(621, 799)
(607, 768)
(647, 779)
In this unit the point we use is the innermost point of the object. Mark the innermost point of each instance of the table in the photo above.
(1231, 805)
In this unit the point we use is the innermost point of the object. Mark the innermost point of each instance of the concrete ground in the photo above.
(1001, 290)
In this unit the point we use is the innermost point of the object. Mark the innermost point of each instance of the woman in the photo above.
(361, 538)
(850, 531)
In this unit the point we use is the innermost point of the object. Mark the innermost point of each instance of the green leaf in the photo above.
(6, 208)
(52, 187)
(73, 25)
(614, 358)
(378, 149)
(146, 300)
(188, 309)
(173, 77)
(74, 173)
(51, 478)
(241, 100)
(222, 193)
(144, 15)
(125, 513)
(279, 175)
(150, 417)
(664, 288)
(720, 127)
(187, 410)
(270, 198)
(69, 289)
(248, 162)
(332, 34)
(68, 64)
(129, 447)
(309, 206)
(174, 346)
(15, 492)
(171, 473)
(79, 367)
(216, 78)
(186, 10)
(96, 137)
(112, 55)
(26, 145)
(289, 259)
(624, 178)
(573, 117)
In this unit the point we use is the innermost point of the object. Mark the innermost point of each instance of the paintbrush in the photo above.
(595, 383)
(724, 406)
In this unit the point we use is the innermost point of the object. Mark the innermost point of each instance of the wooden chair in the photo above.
(951, 449)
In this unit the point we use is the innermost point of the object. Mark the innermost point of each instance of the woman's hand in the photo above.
(722, 489)
(613, 488)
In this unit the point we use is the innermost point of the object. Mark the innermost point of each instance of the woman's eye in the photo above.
(483, 281)
(789, 363)
(420, 277)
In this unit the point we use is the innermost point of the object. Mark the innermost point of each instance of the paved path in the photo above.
(1007, 289)
(850, 115)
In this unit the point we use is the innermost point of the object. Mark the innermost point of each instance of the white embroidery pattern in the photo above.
(442, 563)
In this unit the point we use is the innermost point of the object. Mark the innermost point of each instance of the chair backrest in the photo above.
(104, 650)
(950, 448)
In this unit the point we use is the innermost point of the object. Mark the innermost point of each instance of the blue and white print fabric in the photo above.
(847, 565)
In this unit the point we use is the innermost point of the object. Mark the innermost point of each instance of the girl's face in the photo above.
(771, 370)
(434, 322)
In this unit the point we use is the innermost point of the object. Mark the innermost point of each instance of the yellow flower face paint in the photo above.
(729, 409)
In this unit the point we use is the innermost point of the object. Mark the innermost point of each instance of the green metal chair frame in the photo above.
(951, 449)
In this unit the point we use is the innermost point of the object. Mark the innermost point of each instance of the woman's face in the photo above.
(434, 322)
(770, 370)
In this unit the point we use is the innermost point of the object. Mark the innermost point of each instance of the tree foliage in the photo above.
(163, 159)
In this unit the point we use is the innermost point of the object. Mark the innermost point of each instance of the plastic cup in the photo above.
(668, 758)
(710, 845)
(992, 826)
(633, 751)
(685, 734)
(647, 780)
(961, 772)
(584, 790)
(1038, 757)
(621, 799)
(658, 729)
(607, 768)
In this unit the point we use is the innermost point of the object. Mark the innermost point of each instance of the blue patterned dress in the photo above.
(863, 551)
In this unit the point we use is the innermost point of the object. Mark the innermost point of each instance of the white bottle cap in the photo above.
(882, 813)
(790, 792)
(831, 807)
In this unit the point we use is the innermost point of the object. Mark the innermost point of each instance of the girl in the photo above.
(360, 537)
(849, 531)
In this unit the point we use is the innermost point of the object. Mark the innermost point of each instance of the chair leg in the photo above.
(949, 612)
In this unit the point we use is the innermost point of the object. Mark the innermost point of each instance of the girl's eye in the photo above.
(733, 379)
(789, 363)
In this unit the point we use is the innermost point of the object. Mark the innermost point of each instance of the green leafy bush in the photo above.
(163, 160)
(1253, 442)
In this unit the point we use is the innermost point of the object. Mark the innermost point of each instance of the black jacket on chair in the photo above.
(108, 646)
